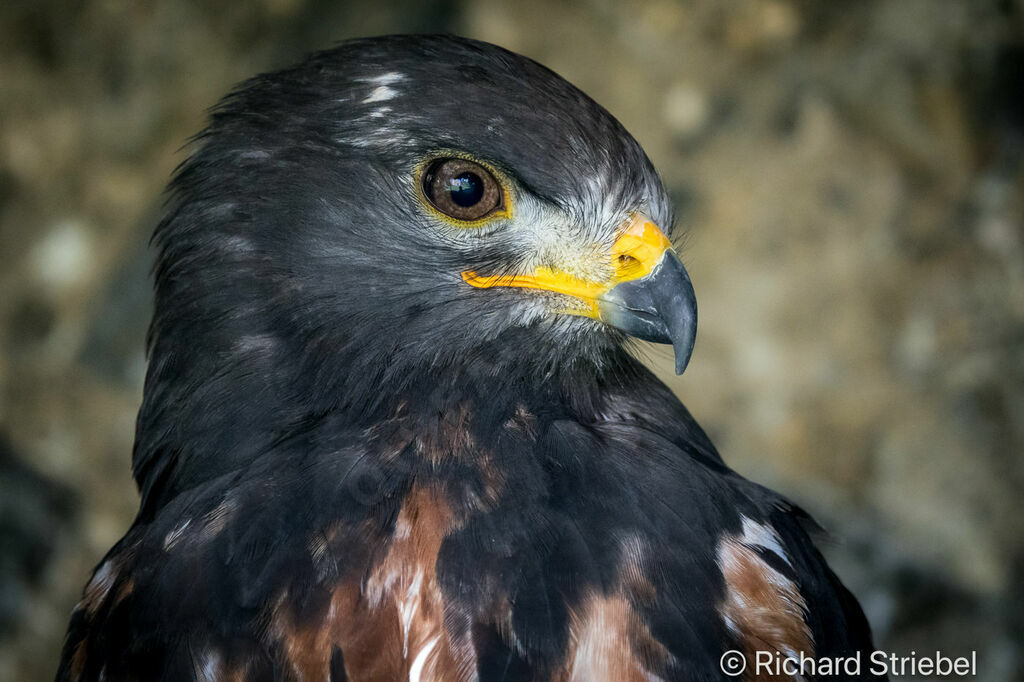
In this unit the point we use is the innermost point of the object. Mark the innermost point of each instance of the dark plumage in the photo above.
(362, 459)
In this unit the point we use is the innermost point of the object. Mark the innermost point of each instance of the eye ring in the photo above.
(462, 189)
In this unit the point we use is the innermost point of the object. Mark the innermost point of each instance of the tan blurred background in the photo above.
(850, 175)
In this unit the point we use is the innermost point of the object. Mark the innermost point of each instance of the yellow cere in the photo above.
(634, 255)
(638, 250)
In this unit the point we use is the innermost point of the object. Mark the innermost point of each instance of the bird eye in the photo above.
(461, 189)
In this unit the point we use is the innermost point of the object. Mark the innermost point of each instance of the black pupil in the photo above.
(466, 189)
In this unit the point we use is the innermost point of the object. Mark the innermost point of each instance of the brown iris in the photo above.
(461, 189)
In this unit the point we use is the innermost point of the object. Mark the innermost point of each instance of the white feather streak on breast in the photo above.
(175, 535)
(416, 670)
(759, 535)
(407, 607)
(404, 584)
(603, 652)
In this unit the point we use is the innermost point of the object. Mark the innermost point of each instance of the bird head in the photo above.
(399, 216)
(429, 196)
(399, 208)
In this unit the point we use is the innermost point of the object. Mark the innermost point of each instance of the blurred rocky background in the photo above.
(849, 176)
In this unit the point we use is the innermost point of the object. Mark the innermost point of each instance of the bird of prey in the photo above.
(393, 427)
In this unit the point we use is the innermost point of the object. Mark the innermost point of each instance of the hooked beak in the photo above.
(649, 294)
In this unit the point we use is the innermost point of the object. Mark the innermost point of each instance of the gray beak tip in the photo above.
(661, 307)
(682, 347)
(682, 360)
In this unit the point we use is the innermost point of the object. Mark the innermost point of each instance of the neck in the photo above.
(204, 416)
